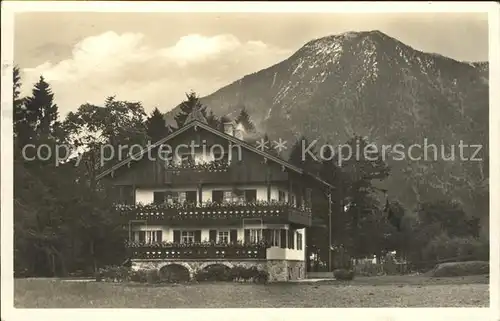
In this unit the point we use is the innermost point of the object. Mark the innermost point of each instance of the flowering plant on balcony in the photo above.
(238, 244)
(211, 166)
(226, 205)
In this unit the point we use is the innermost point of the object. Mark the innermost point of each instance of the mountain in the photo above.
(370, 84)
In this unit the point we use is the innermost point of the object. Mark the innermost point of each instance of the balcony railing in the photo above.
(191, 172)
(196, 251)
(269, 212)
(191, 166)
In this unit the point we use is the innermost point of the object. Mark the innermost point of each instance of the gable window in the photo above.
(187, 237)
(223, 237)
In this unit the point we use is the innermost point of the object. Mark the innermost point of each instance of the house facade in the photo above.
(202, 197)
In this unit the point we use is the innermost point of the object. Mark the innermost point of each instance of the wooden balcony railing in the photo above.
(214, 213)
(191, 172)
(197, 251)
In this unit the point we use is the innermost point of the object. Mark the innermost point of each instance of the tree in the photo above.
(119, 125)
(357, 171)
(156, 127)
(447, 216)
(41, 112)
(244, 119)
(192, 101)
(306, 161)
(20, 125)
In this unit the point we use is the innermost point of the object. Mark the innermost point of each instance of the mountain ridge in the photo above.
(371, 84)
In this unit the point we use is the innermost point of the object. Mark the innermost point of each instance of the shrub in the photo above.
(152, 277)
(237, 273)
(174, 274)
(261, 277)
(461, 269)
(368, 269)
(138, 276)
(113, 274)
(344, 275)
(443, 248)
(216, 272)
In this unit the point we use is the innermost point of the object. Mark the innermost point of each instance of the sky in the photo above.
(156, 58)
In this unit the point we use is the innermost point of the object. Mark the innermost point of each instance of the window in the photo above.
(187, 237)
(281, 196)
(148, 236)
(275, 238)
(299, 241)
(293, 200)
(226, 196)
(223, 237)
(255, 235)
(176, 197)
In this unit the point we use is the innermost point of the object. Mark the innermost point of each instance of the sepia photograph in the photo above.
(248, 157)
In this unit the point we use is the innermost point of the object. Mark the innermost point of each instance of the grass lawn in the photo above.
(397, 291)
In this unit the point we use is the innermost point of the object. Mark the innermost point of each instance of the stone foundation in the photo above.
(279, 270)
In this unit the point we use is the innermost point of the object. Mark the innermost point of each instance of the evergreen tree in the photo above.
(41, 113)
(156, 127)
(19, 114)
(244, 119)
(192, 101)
(213, 121)
(306, 161)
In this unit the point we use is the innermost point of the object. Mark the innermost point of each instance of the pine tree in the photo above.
(156, 127)
(213, 121)
(244, 119)
(41, 112)
(192, 101)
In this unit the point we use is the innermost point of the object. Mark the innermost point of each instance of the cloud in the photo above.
(125, 66)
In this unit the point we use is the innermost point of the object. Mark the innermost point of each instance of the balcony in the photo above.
(210, 214)
(197, 251)
(192, 173)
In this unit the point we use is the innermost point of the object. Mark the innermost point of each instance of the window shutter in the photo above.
(212, 235)
(142, 236)
(158, 197)
(217, 196)
(197, 236)
(250, 195)
(177, 236)
(291, 234)
(191, 197)
(266, 235)
(233, 236)
(283, 239)
(159, 236)
(247, 236)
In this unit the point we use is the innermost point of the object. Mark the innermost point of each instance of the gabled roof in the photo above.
(197, 123)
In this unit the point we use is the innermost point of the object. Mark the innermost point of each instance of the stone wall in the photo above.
(279, 270)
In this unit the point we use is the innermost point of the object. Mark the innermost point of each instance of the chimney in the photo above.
(238, 131)
(229, 128)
